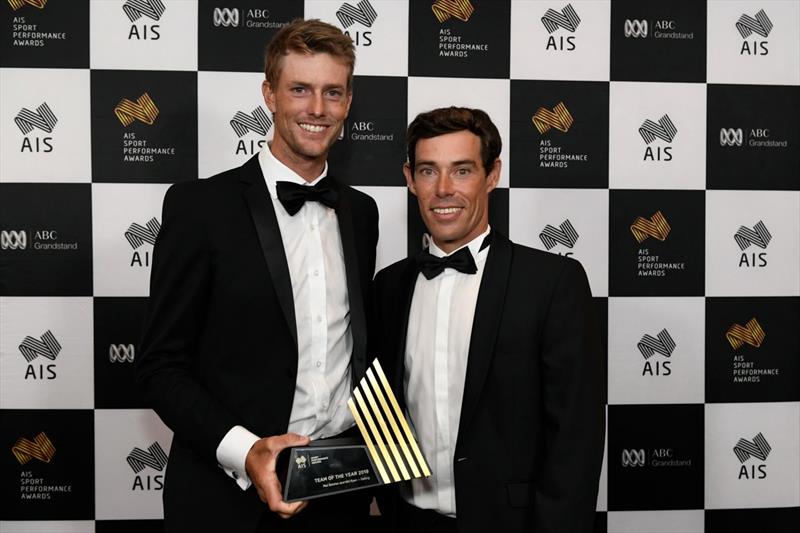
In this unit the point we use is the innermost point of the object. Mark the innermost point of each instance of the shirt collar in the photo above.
(474, 246)
(275, 171)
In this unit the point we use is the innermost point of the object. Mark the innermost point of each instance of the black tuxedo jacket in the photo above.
(530, 439)
(220, 342)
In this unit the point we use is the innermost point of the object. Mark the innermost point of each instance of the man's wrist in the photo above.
(232, 454)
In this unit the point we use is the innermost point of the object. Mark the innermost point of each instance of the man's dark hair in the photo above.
(452, 119)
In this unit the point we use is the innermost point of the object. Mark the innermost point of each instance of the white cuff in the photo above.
(232, 452)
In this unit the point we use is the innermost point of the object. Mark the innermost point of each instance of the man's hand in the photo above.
(260, 467)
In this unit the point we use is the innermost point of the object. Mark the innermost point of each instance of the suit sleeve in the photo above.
(179, 294)
(574, 412)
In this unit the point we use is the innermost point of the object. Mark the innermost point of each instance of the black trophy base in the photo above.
(326, 467)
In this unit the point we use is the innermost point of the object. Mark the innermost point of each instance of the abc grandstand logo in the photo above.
(656, 227)
(635, 28)
(121, 353)
(143, 109)
(751, 333)
(135, 9)
(564, 235)
(459, 9)
(760, 25)
(43, 119)
(13, 240)
(730, 136)
(567, 19)
(17, 4)
(137, 234)
(633, 458)
(40, 448)
(226, 16)
(559, 118)
(362, 13)
(253, 18)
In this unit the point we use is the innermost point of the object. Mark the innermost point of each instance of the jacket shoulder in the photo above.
(392, 274)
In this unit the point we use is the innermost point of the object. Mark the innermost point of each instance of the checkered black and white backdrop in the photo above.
(657, 142)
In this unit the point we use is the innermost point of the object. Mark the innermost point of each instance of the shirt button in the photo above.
(319, 318)
(319, 364)
(313, 227)
(316, 273)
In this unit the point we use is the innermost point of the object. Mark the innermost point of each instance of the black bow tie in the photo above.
(431, 266)
(293, 195)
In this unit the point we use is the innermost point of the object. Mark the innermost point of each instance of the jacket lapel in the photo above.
(406, 286)
(485, 325)
(258, 199)
(358, 322)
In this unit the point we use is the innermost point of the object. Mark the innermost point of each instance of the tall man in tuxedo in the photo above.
(494, 350)
(257, 321)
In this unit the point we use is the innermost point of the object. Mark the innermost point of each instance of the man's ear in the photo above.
(493, 178)
(269, 95)
(408, 173)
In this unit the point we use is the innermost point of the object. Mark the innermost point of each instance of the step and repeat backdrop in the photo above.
(657, 142)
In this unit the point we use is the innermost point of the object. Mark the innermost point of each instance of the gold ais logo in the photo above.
(17, 4)
(40, 448)
(751, 333)
(460, 9)
(144, 110)
(656, 227)
(559, 118)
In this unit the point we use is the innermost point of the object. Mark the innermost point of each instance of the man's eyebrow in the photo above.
(453, 163)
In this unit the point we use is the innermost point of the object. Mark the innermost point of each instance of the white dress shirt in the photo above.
(437, 345)
(313, 248)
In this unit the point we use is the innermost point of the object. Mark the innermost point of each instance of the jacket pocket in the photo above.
(520, 494)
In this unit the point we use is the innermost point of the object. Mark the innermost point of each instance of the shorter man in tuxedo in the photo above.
(494, 350)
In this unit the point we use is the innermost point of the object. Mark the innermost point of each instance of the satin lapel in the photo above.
(358, 322)
(262, 211)
(486, 324)
(406, 286)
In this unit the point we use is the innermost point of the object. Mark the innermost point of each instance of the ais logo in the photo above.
(664, 130)
(364, 15)
(155, 459)
(661, 344)
(46, 347)
(759, 25)
(758, 448)
(257, 122)
(43, 120)
(566, 19)
(759, 237)
(137, 9)
(137, 235)
(564, 234)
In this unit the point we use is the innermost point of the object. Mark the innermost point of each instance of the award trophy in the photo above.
(388, 454)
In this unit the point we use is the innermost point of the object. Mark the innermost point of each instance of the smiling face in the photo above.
(309, 102)
(452, 187)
